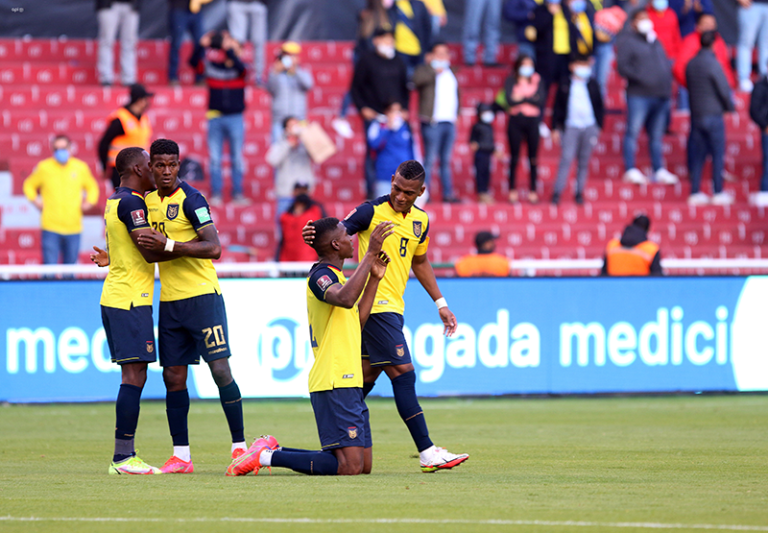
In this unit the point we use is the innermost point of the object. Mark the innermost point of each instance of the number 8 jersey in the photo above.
(409, 239)
(179, 216)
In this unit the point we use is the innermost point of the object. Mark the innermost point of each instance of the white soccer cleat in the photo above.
(698, 198)
(633, 175)
(665, 177)
(722, 198)
(442, 459)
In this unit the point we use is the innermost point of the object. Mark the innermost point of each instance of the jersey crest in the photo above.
(417, 228)
(172, 211)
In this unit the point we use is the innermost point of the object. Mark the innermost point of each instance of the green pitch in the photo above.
(612, 464)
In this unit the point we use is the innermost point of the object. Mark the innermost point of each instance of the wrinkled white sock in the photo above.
(265, 459)
(239, 445)
(426, 455)
(182, 452)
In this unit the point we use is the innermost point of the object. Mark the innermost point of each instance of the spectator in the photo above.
(688, 12)
(288, 84)
(486, 263)
(642, 61)
(608, 23)
(246, 17)
(633, 254)
(217, 56)
(181, 19)
(292, 246)
(758, 110)
(413, 32)
(710, 98)
(522, 97)
(482, 144)
(379, 79)
(113, 15)
(128, 126)
(753, 27)
(438, 14)
(438, 112)
(485, 16)
(292, 164)
(56, 187)
(578, 113)
(392, 142)
(666, 26)
(521, 14)
(691, 45)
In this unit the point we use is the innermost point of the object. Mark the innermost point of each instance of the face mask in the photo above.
(386, 51)
(645, 26)
(287, 61)
(397, 122)
(487, 116)
(583, 72)
(526, 71)
(439, 64)
(579, 6)
(61, 155)
(660, 5)
(387, 3)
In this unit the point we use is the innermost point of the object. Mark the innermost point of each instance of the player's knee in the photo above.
(174, 379)
(221, 373)
(351, 468)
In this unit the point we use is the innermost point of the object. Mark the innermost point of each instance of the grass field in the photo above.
(577, 464)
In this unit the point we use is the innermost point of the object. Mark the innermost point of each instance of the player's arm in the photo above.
(347, 295)
(378, 270)
(205, 246)
(358, 220)
(422, 269)
(132, 211)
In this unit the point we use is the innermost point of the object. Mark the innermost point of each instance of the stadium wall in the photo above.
(515, 336)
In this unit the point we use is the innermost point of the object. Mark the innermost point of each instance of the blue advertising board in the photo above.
(515, 336)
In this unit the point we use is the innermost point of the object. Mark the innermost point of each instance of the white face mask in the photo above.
(287, 61)
(440, 64)
(397, 122)
(385, 50)
(487, 116)
(584, 72)
(645, 26)
(526, 71)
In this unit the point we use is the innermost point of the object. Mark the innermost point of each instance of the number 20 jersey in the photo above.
(410, 239)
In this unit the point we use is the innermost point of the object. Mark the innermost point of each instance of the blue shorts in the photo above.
(342, 418)
(383, 340)
(130, 334)
(193, 327)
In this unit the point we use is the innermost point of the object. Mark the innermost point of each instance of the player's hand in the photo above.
(379, 267)
(308, 233)
(449, 321)
(38, 203)
(154, 240)
(100, 257)
(555, 136)
(379, 233)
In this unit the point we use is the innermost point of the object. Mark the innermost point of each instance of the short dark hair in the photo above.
(286, 120)
(642, 221)
(707, 39)
(704, 14)
(438, 43)
(577, 57)
(164, 147)
(519, 62)
(61, 136)
(323, 228)
(636, 13)
(411, 170)
(127, 158)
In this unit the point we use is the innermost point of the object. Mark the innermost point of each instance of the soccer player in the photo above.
(336, 377)
(384, 346)
(126, 302)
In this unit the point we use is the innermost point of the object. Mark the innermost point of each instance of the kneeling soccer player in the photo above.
(336, 377)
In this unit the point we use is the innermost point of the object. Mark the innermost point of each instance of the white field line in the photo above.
(549, 523)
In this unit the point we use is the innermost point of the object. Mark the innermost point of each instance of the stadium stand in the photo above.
(49, 86)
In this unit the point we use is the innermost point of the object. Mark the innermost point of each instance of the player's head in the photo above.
(331, 238)
(642, 222)
(132, 164)
(407, 185)
(164, 160)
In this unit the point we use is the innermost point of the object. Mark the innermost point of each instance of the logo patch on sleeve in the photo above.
(138, 218)
(203, 215)
(324, 282)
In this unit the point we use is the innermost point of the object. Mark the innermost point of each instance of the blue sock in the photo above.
(177, 410)
(311, 463)
(232, 403)
(284, 449)
(367, 388)
(127, 418)
(404, 388)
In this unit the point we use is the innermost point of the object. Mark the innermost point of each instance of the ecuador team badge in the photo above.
(417, 228)
(172, 211)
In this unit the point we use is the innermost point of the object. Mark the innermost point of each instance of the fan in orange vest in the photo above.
(486, 262)
(633, 254)
(128, 126)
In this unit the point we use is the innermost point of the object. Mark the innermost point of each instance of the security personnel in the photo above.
(128, 126)
(486, 262)
(634, 254)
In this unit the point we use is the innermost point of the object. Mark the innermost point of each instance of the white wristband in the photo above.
(169, 245)
(440, 303)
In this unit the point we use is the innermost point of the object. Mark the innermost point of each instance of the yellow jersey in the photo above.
(334, 333)
(61, 188)
(410, 239)
(131, 280)
(180, 216)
